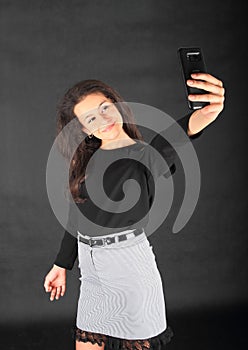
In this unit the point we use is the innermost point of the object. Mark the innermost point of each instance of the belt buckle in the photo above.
(104, 241)
(90, 242)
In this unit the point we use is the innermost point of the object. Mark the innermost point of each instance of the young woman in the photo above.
(121, 302)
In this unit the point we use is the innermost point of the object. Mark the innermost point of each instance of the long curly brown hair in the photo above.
(86, 148)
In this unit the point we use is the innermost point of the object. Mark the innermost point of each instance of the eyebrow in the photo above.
(89, 115)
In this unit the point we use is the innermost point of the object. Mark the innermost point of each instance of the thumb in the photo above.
(47, 285)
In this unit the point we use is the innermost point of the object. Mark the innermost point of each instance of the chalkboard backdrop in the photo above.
(46, 47)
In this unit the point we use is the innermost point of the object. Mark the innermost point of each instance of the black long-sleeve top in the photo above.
(68, 249)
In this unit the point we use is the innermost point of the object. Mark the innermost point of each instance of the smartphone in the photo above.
(192, 61)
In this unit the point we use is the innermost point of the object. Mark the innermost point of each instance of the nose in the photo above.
(105, 120)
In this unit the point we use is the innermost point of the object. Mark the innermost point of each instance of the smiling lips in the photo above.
(108, 128)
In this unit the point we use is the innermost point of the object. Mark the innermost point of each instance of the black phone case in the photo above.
(192, 61)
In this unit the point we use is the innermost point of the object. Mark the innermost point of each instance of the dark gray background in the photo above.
(47, 46)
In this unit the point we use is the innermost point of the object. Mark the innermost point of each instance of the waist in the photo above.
(110, 238)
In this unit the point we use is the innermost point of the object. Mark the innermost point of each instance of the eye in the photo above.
(91, 119)
(104, 108)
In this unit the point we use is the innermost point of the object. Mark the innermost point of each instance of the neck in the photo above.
(116, 143)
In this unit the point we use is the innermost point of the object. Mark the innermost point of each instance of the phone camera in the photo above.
(194, 56)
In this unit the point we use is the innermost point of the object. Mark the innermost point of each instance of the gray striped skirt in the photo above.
(121, 292)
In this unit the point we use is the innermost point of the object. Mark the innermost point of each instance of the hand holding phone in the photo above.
(192, 61)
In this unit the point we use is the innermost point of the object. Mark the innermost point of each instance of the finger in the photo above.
(63, 288)
(53, 293)
(215, 89)
(208, 77)
(212, 108)
(206, 98)
(58, 293)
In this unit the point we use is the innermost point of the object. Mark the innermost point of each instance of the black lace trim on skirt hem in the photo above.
(112, 343)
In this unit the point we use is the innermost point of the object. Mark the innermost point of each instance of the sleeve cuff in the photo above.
(184, 123)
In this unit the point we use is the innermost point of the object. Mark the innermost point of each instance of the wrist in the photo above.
(58, 267)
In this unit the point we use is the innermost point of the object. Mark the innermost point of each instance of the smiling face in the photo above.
(100, 117)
